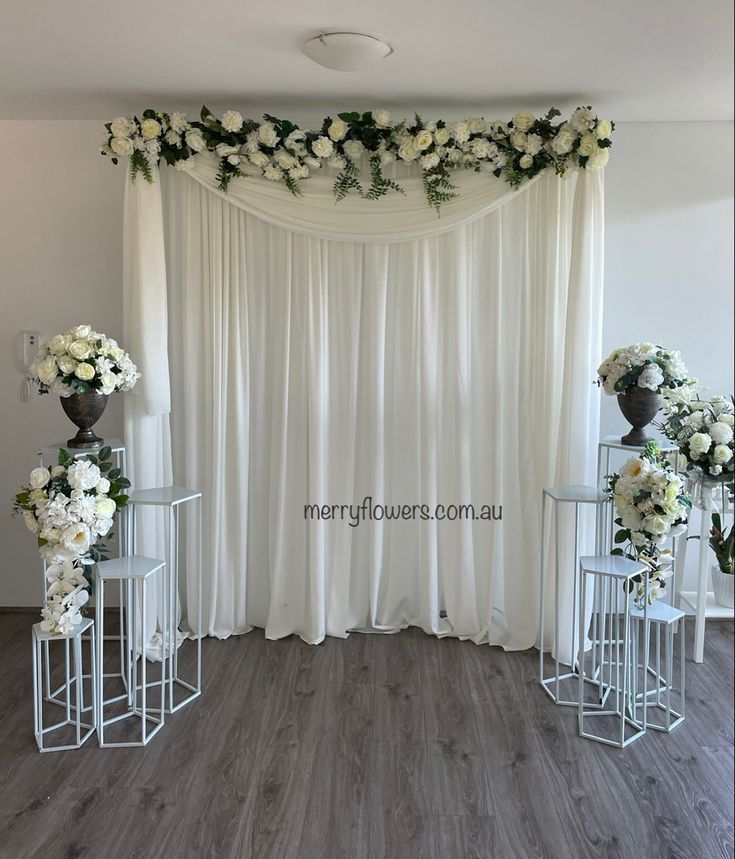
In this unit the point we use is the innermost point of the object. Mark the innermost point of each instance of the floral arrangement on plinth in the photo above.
(650, 506)
(80, 361)
(703, 429)
(642, 366)
(282, 152)
(723, 545)
(70, 508)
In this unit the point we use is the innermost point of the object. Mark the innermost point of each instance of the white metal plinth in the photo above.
(576, 495)
(172, 498)
(80, 730)
(617, 670)
(662, 618)
(133, 572)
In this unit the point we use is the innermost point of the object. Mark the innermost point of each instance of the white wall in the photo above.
(669, 272)
(60, 264)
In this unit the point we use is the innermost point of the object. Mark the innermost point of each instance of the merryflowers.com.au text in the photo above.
(368, 511)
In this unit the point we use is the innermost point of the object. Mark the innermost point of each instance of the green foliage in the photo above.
(348, 180)
(379, 185)
(722, 544)
(438, 188)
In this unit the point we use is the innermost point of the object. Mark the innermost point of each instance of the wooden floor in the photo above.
(376, 746)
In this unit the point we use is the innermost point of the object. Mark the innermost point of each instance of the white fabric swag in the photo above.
(321, 353)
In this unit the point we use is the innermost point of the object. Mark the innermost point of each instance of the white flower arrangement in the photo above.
(642, 365)
(703, 429)
(651, 506)
(70, 508)
(515, 150)
(82, 360)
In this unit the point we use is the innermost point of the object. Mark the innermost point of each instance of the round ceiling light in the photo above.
(346, 52)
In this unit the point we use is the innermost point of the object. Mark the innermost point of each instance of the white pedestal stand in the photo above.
(172, 498)
(714, 498)
(75, 709)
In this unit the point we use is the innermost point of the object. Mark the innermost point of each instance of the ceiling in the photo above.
(634, 60)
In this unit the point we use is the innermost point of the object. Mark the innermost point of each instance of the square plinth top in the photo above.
(659, 612)
(42, 635)
(129, 567)
(115, 444)
(164, 496)
(613, 441)
(612, 565)
(576, 493)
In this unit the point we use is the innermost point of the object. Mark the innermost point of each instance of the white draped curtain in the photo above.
(323, 353)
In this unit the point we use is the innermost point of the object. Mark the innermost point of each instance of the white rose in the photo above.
(231, 120)
(423, 140)
(382, 118)
(84, 371)
(337, 161)
(116, 353)
(40, 477)
(477, 125)
(313, 163)
(79, 332)
(121, 127)
(67, 364)
(581, 119)
(727, 419)
(322, 147)
(523, 121)
(588, 145)
(354, 150)
(563, 141)
(267, 134)
(715, 470)
(284, 159)
(526, 162)
(106, 508)
(656, 525)
(534, 144)
(700, 443)
(337, 130)
(721, 433)
(604, 129)
(407, 151)
(441, 135)
(428, 162)
(47, 370)
(150, 128)
(122, 146)
(82, 475)
(651, 377)
(108, 381)
(518, 140)
(300, 171)
(195, 140)
(103, 486)
(259, 159)
(722, 454)
(58, 344)
(80, 349)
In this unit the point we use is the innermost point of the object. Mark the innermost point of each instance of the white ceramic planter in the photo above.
(723, 586)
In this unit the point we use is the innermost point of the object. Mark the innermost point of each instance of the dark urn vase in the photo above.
(639, 407)
(84, 410)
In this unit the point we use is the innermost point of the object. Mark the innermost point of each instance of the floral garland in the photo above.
(650, 505)
(515, 151)
(70, 508)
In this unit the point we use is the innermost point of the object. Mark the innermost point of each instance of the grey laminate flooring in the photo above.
(376, 746)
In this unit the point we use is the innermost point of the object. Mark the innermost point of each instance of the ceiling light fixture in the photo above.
(346, 52)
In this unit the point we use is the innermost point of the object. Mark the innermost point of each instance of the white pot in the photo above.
(723, 586)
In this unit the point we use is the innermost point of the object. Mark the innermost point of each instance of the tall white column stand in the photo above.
(173, 497)
(133, 571)
(662, 618)
(613, 575)
(576, 495)
(714, 498)
(74, 684)
(48, 457)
